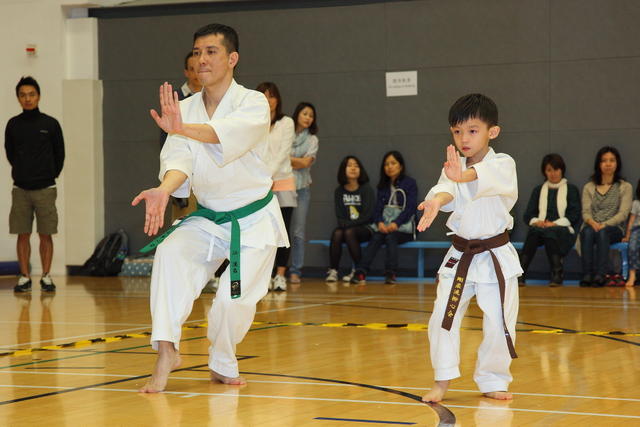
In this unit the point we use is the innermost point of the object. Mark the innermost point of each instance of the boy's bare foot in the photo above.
(630, 283)
(168, 360)
(437, 392)
(216, 377)
(498, 395)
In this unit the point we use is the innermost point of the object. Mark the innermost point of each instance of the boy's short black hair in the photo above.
(342, 171)
(474, 106)
(638, 190)
(555, 161)
(27, 81)
(229, 35)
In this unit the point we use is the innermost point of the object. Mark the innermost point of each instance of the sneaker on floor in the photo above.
(47, 284)
(389, 278)
(294, 278)
(359, 277)
(347, 277)
(279, 283)
(332, 275)
(24, 284)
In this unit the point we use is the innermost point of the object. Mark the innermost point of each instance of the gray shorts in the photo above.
(24, 203)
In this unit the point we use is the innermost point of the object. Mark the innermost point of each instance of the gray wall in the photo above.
(564, 74)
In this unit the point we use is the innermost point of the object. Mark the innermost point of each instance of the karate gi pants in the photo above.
(492, 366)
(180, 272)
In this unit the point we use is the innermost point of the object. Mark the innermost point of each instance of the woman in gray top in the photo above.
(606, 202)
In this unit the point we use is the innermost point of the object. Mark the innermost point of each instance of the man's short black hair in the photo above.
(229, 36)
(474, 106)
(555, 161)
(27, 81)
(186, 59)
(342, 171)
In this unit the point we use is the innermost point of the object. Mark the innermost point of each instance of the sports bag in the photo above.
(108, 256)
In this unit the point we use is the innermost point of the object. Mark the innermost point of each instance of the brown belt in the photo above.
(469, 249)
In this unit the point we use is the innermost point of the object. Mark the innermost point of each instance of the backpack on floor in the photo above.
(108, 256)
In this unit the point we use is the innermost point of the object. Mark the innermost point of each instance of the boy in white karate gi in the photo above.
(479, 189)
(217, 146)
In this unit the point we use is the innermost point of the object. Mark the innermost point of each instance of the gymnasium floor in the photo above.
(317, 355)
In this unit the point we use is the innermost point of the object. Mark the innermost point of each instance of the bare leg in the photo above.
(46, 252)
(436, 394)
(280, 271)
(632, 279)
(168, 360)
(498, 395)
(23, 248)
(218, 378)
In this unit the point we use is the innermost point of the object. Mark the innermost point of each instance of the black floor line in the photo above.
(54, 393)
(446, 416)
(480, 317)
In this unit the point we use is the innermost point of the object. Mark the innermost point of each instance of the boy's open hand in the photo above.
(155, 203)
(431, 208)
(453, 167)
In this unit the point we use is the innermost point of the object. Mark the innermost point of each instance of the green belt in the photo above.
(222, 218)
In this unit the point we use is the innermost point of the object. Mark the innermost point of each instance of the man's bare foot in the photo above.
(437, 392)
(219, 378)
(168, 360)
(498, 395)
(630, 283)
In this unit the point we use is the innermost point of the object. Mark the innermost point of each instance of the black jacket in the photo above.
(35, 149)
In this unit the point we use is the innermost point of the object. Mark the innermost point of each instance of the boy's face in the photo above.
(472, 138)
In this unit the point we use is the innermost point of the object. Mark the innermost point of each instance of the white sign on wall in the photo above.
(402, 83)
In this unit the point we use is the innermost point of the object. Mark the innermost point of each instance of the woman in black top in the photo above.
(354, 202)
(553, 215)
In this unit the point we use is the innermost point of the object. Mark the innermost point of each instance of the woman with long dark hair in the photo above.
(606, 203)
(393, 216)
(303, 154)
(281, 135)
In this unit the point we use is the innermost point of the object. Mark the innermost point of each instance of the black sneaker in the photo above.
(24, 285)
(586, 280)
(359, 277)
(389, 278)
(47, 284)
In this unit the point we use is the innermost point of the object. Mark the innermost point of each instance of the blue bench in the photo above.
(421, 245)
(416, 244)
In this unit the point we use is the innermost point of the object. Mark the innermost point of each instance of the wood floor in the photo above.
(317, 355)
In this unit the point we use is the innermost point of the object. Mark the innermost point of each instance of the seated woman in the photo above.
(393, 216)
(553, 215)
(354, 201)
(606, 202)
(633, 237)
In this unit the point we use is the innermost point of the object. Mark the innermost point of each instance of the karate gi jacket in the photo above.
(480, 210)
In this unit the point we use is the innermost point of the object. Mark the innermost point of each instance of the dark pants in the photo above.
(391, 240)
(352, 237)
(282, 254)
(595, 248)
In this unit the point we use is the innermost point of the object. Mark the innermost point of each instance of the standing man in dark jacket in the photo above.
(35, 149)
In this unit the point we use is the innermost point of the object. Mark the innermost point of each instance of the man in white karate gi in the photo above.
(217, 146)
(479, 189)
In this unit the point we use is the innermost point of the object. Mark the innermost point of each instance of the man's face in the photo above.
(472, 138)
(28, 97)
(191, 73)
(214, 62)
